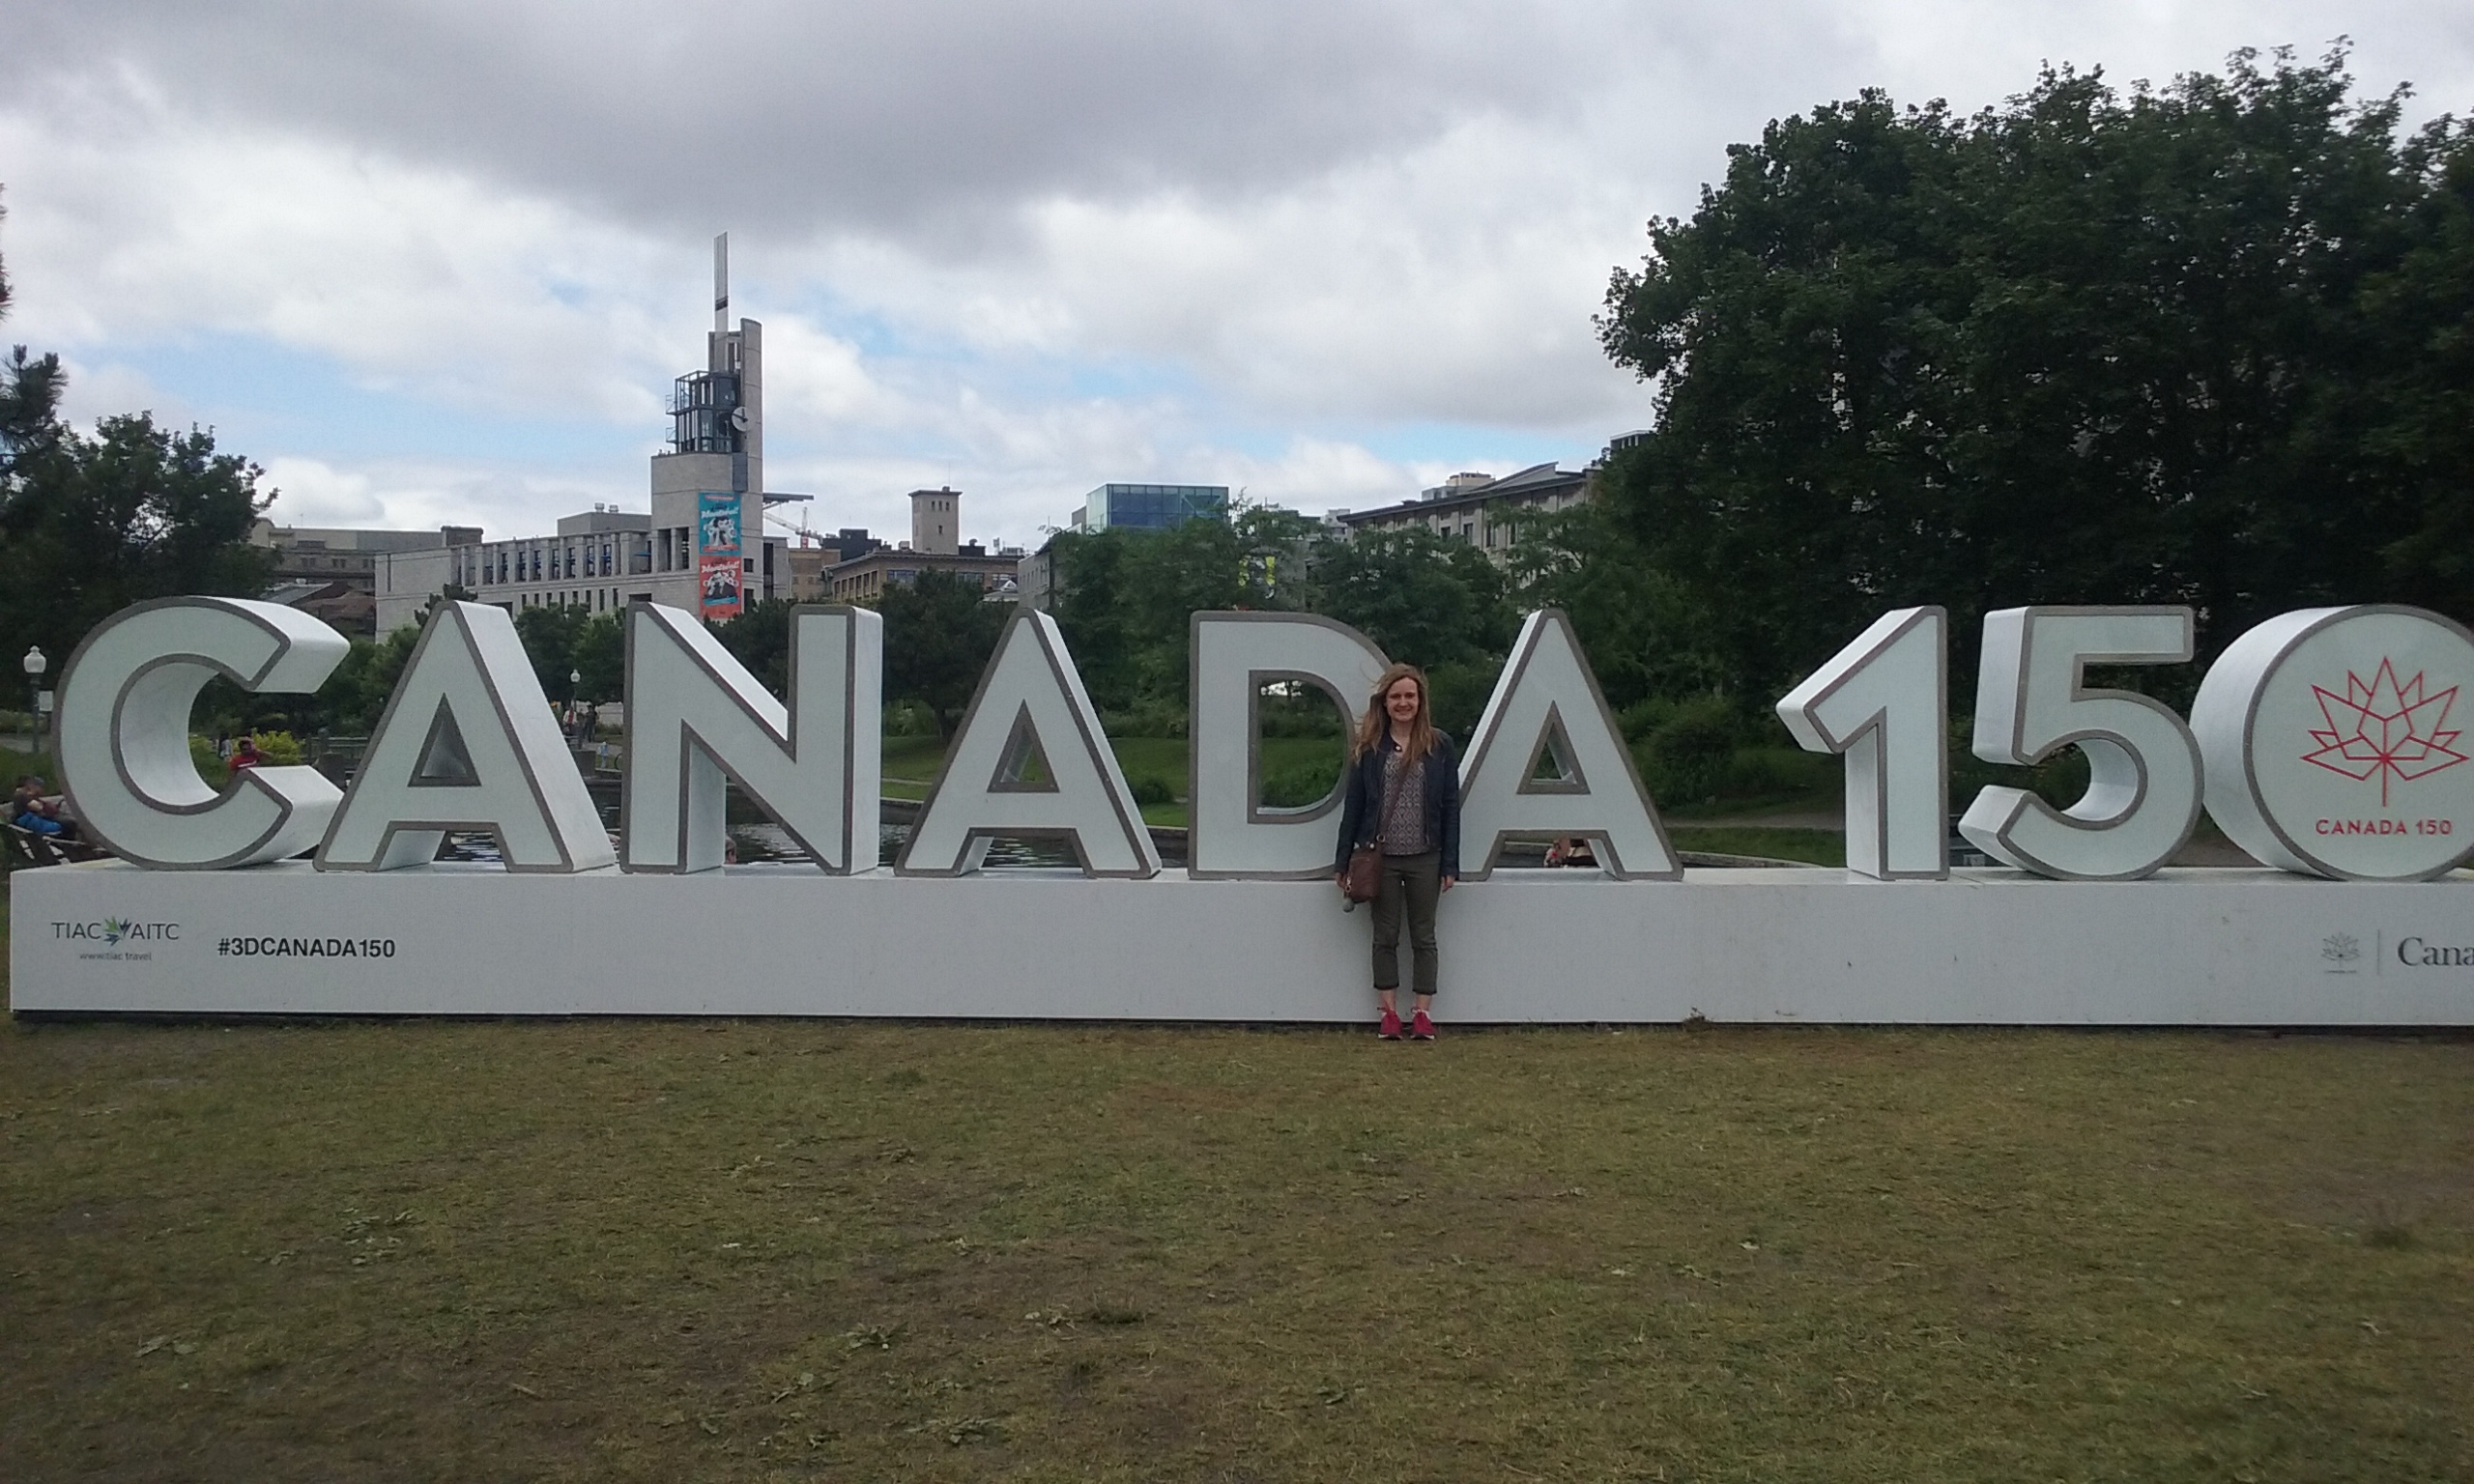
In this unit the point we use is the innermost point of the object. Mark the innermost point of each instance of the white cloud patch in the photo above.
(131, 223)
(416, 496)
(111, 388)
(1022, 250)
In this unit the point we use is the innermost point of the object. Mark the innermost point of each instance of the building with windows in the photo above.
(1121, 507)
(818, 554)
(333, 573)
(702, 546)
(864, 581)
(935, 546)
(1482, 509)
(1150, 506)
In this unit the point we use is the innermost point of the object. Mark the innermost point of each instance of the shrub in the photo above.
(1298, 786)
(1642, 717)
(909, 719)
(1147, 718)
(1151, 789)
(281, 749)
(1459, 695)
(1310, 715)
(1688, 755)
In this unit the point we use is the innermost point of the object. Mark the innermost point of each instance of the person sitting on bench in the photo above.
(31, 808)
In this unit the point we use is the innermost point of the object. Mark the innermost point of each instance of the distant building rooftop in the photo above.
(1150, 506)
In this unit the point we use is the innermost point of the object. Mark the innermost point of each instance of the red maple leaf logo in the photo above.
(2384, 728)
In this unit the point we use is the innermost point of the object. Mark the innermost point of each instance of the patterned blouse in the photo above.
(1404, 807)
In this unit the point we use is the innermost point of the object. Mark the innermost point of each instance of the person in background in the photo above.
(1571, 850)
(246, 754)
(32, 807)
(1403, 796)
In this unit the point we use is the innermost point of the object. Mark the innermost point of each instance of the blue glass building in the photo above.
(1151, 506)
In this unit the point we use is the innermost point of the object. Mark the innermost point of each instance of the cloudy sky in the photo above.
(438, 260)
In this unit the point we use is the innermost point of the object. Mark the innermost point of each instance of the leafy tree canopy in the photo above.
(760, 638)
(940, 634)
(2205, 344)
(1124, 598)
(90, 524)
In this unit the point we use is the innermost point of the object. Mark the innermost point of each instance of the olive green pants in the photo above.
(1411, 885)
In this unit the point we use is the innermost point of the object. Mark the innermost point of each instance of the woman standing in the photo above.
(1404, 798)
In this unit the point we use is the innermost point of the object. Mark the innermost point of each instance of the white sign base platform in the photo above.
(1778, 946)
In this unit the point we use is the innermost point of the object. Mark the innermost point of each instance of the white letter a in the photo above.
(1031, 700)
(1548, 706)
(468, 743)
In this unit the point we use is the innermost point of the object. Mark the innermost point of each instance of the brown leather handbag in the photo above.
(1364, 879)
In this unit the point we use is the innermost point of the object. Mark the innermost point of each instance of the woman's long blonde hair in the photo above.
(1377, 720)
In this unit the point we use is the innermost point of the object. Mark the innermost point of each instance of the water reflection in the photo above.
(770, 842)
(772, 845)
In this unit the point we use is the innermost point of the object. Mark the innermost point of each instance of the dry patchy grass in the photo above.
(737, 1250)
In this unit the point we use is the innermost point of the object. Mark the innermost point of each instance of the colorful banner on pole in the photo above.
(718, 564)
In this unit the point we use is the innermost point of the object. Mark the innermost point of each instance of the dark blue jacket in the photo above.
(1361, 804)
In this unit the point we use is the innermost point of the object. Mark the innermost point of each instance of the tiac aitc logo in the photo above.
(115, 931)
(2386, 729)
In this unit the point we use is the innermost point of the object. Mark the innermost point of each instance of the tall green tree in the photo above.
(90, 524)
(2086, 347)
(29, 399)
(1092, 608)
(600, 656)
(760, 638)
(1437, 603)
(1423, 598)
(356, 696)
(549, 635)
(1124, 598)
(2421, 440)
(1644, 635)
(940, 634)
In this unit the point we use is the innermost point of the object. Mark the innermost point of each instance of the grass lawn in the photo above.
(910, 765)
(1822, 848)
(668, 1250)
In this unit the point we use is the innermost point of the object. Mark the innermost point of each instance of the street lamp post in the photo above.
(575, 718)
(34, 665)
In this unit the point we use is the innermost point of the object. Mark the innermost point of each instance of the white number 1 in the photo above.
(1882, 701)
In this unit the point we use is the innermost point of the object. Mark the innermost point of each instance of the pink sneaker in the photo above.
(1389, 1029)
(1421, 1028)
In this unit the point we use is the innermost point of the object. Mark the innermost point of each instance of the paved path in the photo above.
(2209, 846)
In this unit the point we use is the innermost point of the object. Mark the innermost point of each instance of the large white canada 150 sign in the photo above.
(2324, 742)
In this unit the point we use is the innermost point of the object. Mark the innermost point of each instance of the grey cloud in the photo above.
(931, 121)
(834, 118)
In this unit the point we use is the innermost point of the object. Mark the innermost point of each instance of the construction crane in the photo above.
(807, 537)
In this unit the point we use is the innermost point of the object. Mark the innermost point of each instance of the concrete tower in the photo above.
(937, 521)
(708, 487)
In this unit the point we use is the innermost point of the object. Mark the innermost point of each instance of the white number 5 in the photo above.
(2144, 786)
